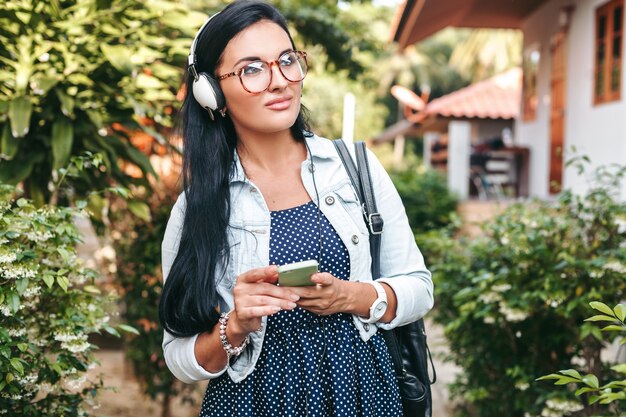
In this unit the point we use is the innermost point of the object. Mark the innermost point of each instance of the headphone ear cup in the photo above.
(207, 92)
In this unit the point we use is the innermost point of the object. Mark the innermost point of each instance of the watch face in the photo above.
(380, 309)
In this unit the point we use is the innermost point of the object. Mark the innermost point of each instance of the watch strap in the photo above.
(381, 297)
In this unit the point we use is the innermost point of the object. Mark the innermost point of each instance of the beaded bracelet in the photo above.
(228, 348)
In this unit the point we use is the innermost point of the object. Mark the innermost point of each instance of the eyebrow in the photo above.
(256, 58)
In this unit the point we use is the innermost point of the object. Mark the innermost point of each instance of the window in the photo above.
(530, 67)
(608, 58)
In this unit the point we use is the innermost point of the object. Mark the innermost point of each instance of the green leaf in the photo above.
(62, 140)
(112, 331)
(67, 103)
(17, 365)
(2, 385)
(600, 317)
(621, 368)
(20, 111)
(139, 209)
(49, 280)
(42, 85)
(21, 285)
(614, 328)
(10, 377)
(583, 390)
(14, 302)
(571, 372)
(128, 329)
(57, 368)
(565, 380)
(548, 377)
(118, 56)
(23, 347)
(16, 171)
(91, 289)
(64, 254)
(591, 380)
(597, 305)
(63, 282)
(8, 144)
(620, 311)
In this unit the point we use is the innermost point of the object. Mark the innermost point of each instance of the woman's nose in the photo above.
(278, 81)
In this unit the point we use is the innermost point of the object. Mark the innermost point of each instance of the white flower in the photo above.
(522, 385)
(489, 319)
(490, 297)
(75, 343)
(7, 257)
(512, 314)
(17, 271)
(39, 236)
(32, 292)
(17, 332)
(76, 383)
(28, 379)
(559, 407)
(501, 288)
(616, 267)
(5, 310)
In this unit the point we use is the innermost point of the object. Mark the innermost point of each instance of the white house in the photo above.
(573, 71)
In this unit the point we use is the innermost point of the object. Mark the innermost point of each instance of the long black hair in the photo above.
(189, 300)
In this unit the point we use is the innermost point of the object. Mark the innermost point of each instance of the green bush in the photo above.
(613, 392)
(428, 202)
(48, 307)
(513, 300)
(81, 76)
(137, 243)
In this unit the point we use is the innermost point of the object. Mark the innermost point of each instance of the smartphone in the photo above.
(297, 274)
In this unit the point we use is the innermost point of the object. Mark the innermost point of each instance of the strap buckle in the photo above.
(375, 223)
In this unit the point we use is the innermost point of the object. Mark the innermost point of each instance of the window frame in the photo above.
(607, 67)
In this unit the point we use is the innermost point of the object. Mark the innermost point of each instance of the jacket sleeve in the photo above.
(179, 351)
(401, 262)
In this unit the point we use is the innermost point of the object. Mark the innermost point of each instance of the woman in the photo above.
(261, 191)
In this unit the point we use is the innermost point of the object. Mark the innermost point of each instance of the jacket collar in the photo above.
(320, 148)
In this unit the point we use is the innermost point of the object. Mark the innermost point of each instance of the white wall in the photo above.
(596, 131)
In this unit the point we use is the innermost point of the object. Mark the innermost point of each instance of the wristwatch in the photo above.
(379, 306)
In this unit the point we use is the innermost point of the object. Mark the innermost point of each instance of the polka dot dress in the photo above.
(310, 365)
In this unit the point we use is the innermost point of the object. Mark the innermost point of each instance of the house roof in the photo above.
(495, 98)
(498, 97)
(417, 19)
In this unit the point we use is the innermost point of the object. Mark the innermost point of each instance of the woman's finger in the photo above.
(272, 291)
(261, 300)
(266, 273)
(258, 311)
(323, 278)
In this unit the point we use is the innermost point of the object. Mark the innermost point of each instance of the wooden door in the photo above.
(557, 109)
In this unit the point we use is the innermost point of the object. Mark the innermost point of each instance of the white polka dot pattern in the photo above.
(310, 365)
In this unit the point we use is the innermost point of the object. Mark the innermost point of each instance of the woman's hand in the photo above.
(330, 295)
(256, 295)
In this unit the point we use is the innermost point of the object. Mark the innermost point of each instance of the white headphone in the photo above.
(206, 89)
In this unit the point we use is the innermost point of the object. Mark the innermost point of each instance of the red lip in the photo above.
(279, 103)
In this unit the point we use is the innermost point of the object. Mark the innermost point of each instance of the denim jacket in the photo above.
(401, 263)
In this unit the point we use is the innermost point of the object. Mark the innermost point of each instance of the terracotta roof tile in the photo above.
(495, 98)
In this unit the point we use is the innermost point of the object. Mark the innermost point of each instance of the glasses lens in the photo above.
(255, 76)
(293, 66)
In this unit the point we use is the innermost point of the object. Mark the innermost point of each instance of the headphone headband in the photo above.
(191, 59)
